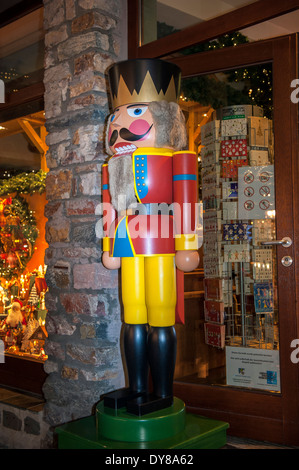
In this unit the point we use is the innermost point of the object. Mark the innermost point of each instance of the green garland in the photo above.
(26, 183)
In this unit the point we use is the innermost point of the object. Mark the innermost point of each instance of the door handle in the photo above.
(285, 242)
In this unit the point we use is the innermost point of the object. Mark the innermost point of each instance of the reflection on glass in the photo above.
(231, 332)
(280, 26)
(22, 52)
(23, 68)
(161, 18)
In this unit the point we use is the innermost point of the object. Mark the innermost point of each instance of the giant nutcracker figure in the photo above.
(148, 171)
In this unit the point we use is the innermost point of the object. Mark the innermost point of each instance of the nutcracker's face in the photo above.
(131, 127)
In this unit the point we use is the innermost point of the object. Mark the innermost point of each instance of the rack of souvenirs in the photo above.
(23, 314)
(238, 216)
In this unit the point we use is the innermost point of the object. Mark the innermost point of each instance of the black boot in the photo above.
(135, 348)
(161, 357)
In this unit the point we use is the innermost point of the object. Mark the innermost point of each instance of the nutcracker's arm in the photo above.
(109, 213)
(109, 216)
(185, 192)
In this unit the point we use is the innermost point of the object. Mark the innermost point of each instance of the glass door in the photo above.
(234, 351)
(239, 325)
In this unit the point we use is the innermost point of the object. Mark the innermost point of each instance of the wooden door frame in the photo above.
(240, 18)
(258, 415)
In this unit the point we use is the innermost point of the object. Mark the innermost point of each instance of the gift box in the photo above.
(258, 132)
(234, 127)
(215, 335)
(233, 148)
(210, 132)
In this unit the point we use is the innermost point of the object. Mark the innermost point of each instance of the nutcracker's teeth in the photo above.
(126, 149)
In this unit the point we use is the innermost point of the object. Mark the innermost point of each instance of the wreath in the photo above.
(18, 233)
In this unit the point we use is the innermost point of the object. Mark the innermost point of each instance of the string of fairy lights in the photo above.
(18, 230)
(255, 82)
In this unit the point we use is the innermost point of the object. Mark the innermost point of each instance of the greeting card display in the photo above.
(230, 210)
(211, 198)
(229, 190)
(263, 230)
(258, 157)
(215, 335)
(263, 297)
(212, 221)
(210, 154)
(239, 209)
(258, 131)
(237, 231)
(233, 148)
(213, 289)
(214, 311)
(233, 127)
(213, 266)
(237, 253)
(210, 132)
(230, 167)
(262, 266)
(212, 243)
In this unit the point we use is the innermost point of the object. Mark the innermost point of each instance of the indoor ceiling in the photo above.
(22, 142)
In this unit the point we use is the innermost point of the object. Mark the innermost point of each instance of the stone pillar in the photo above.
(82, 38)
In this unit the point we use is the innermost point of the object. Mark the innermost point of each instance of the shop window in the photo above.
(22, 236)
(21, 66)
(22, 201)
(233, 318)
(22, 52)
(22, 249)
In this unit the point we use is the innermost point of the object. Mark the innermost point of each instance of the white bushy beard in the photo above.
(121, 182)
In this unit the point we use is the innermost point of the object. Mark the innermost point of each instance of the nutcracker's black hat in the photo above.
(143, 81)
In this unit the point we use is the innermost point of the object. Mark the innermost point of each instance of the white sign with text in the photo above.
(253, 368)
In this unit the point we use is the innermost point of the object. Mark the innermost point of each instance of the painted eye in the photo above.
(136, 111)
(114, 115)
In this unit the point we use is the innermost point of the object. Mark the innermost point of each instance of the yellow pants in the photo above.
(149, 290)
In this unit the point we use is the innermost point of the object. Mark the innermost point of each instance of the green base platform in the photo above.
(171, 428)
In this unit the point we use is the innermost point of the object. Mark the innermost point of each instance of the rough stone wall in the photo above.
(83, 37)
(22, 428)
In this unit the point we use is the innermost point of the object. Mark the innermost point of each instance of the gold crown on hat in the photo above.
(143, 81)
